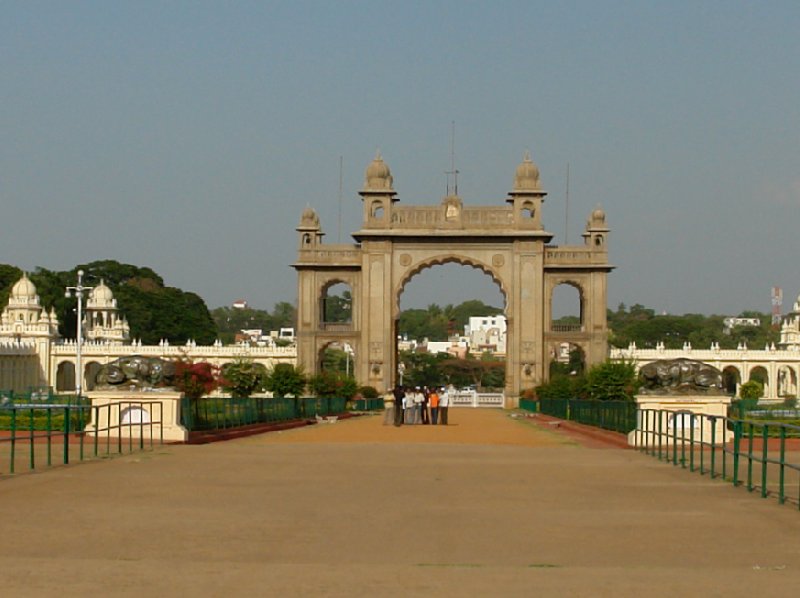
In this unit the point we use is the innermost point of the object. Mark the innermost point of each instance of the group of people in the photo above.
(404, 405)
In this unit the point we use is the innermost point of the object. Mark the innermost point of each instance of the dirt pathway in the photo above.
(491, 506)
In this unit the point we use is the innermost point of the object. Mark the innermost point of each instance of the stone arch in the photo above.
(345, 346)
(508, 242)
(787, 381)
(90, 372)
(760, 374)
(566, 358)
(439, 260)
(559, 285)
(327, 316)
(377, 210)
(731, 379)
(65, 376)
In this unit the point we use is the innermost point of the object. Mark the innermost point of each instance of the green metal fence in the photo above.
(367, 404)
(531, 405)
(220, 413)
(41, 435)
(619, 416)
(762, 456)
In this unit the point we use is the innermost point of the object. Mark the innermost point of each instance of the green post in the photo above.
(713, 422)
(13, 438)
(764, 438)
(66, 436)
(737, 441)
(782, 466)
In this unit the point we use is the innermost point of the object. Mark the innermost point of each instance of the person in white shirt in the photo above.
(444, 404)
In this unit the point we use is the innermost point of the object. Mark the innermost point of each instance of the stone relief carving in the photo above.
(135, 370)
(684, 376)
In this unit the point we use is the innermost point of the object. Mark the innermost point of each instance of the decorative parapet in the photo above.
(435, 217)
(330, 255)
(632, 353)
(24, 347)
(572, 256)
(177, 351)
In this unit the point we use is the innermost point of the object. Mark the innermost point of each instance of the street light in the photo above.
(78, 291)
(401, 367)
(348, 352)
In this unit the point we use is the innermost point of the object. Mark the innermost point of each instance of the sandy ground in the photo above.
(490, 506)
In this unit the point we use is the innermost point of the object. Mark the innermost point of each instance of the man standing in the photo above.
(444, 404)
(388, 408)
(434, 402)
(399, 395)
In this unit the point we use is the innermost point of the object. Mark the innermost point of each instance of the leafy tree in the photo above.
(153, 311)
(439, 323)
(243, 377)
(560, 387)
(611, 381)
(9, 275)
(463, 372)
(286, 379)
(751, 390)
(423, 369)
(339, 308)
(368, 392)
(333, 384)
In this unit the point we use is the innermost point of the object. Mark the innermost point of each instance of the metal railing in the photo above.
(618, 416)
(221, 413)
(33, 436)
(368, 404)
(762, 456)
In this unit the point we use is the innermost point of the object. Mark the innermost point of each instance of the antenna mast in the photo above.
(339, 228)
(566, 210)
(452, 170)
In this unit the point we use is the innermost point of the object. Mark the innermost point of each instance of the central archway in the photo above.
(452, 327)
(509, 243)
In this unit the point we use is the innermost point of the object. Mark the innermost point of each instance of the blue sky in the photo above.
(189, 136)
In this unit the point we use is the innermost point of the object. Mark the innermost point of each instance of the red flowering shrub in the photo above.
(196, 379)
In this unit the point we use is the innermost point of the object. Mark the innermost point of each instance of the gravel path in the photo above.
(490, 506)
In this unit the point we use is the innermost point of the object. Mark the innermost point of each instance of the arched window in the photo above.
(566, 308)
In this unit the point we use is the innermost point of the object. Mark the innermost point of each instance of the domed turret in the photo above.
(23, 289)
(598, 216)
(309, 218)
(378, 176)
(526, 177)
(101, 296)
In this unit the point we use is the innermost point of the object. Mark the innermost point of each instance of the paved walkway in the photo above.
(491, 506)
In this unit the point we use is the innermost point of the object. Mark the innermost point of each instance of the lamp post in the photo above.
(348, 352)
(401, 368)
(78, 291)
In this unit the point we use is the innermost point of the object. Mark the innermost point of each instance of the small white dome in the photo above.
(23, 288)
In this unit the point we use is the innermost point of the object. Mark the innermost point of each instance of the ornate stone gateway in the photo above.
(396, 242)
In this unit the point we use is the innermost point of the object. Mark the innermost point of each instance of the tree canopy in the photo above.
(438, 323)
(641, 325)
(153, 311)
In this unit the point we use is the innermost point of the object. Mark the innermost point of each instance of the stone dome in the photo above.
(526, 177)
(378, 175)
(23, 288)
(309, 218)
(598, 216)
(101, 295)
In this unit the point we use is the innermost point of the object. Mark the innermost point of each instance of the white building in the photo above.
(32, 354)
(486, 334)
